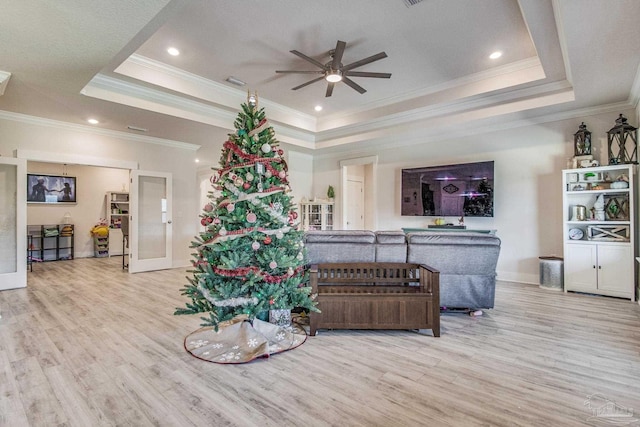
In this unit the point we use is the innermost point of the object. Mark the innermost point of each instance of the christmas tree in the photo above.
(250, 259)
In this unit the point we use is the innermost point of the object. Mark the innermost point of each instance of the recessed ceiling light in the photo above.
(495, 55)
(93, 121)
(173, 51)
(318, 108)
(197, 160)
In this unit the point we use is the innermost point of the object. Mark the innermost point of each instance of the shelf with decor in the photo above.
(316, 215)
(117, 216)
(599, 230)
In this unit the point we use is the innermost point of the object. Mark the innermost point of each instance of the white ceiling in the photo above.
(72, 59)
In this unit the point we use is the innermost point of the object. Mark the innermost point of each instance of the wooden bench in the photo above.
(375, 295)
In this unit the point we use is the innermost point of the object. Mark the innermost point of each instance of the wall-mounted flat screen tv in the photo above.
(450, 190)
(43, 188)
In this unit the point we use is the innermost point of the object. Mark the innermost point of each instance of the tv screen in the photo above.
(51, 189)
(450, 190)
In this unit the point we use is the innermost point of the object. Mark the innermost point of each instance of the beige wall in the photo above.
(528, 197)
(75, 142)
(92, 183)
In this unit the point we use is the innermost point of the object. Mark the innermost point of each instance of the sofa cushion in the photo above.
(391, 237)
(340, 246)
(455, 253)
(391, 246)
(340, 236)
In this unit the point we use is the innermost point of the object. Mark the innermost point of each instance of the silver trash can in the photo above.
(552, 273)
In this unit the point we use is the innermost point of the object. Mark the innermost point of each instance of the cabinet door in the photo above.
(580, 262)
(615, 268)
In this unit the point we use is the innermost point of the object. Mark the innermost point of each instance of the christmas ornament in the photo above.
(233, 176)
(208, 207)
(203, 221)
(268, 174)
(300, 256)
(267, 240)
(255, 246)
(248, 177)
(230, 207)
(271, 301)
(241, 132)
(273, 265)
(260, 187)
(282, 174)
(294, 214)
(239, 181)
(281, 152)
(216, 220)
(265, 148)
(223, 231)
(251, 217)
(279, 234)
(290, 271)
(246, 186)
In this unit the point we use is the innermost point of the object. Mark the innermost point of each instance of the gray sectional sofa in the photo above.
(466, 260)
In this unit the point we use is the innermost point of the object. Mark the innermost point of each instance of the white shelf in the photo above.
(599, 265)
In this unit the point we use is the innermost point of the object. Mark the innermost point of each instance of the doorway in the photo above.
(359, 176)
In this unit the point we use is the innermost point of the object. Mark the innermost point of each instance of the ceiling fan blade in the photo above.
(300, 72)
(306, 58)
(308, 83)
(364, 61)
(353, 84)
(329, 90)
(337, 54)
(368, 74)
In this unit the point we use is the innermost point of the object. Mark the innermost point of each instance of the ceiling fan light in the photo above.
(334, 76)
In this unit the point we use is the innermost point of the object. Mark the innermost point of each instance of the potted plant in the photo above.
(331, 193)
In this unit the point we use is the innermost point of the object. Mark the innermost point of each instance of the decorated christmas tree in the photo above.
(250, 258)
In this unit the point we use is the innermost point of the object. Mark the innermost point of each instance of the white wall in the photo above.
(91, 185)
(528, 193)
(81, 142)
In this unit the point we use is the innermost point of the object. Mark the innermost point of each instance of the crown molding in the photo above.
(39, 121)
(634, 94)
(564, 50)
(4, 81)
(169, 77)
(492, 124)
(123, 92)
(450, 108)
(75, 159)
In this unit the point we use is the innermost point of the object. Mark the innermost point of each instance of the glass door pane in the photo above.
(13, 227)
(150, 228)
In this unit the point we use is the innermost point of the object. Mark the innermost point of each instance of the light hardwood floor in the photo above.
(87, 344)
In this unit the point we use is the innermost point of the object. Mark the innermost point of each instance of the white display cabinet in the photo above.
(599, 230)
(316, 215)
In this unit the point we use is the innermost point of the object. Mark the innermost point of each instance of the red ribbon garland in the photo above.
(252, 159)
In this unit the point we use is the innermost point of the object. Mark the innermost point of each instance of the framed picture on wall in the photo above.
(42, 188)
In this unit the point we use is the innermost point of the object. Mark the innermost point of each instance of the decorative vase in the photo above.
(280, 316)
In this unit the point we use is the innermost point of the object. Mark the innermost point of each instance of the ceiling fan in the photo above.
(334, 72)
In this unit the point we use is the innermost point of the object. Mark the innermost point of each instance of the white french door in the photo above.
(150, 221)
(13, 223)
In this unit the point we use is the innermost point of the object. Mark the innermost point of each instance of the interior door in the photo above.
(150, 221)
(355, 205)
(13, 223)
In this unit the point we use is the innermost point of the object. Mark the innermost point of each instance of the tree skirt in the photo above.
(240, 341)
